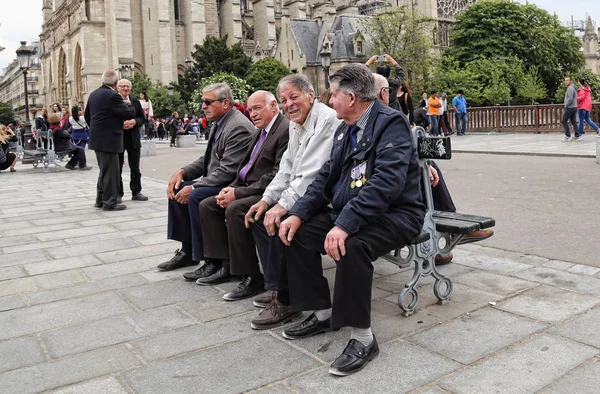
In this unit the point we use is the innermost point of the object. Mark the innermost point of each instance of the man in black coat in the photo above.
(132, 144)
(105, 113)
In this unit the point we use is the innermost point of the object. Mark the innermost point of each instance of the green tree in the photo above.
(451, 77)
(498, 90)
(162, 104)
(592, 79)
(532, 87)
(266, 73)
(494, 29)
(141, 82)
(403, 34)
(239, 88)
(213, 56)
(7, 114)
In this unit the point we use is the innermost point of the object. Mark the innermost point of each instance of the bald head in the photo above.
(262, 108)
(380, 83)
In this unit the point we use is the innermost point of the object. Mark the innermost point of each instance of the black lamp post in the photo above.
(171, 90)
(23, 56)
(326, 62)
(188, 62)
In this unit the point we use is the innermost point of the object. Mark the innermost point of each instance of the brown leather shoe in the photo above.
(477, 236)
(263, 300)
(443, 260)
(274, 315)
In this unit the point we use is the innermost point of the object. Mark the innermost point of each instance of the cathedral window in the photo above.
(176, 9)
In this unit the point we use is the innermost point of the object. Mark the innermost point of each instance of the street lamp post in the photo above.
(171, 90)
(23, 56)
(326, 62)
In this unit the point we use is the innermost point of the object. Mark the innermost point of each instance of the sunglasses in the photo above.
(209, 102)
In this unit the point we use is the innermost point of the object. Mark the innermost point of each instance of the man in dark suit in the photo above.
(105, 113)
(222, 218)
(132, 144)
(229, 138)
(372, 184)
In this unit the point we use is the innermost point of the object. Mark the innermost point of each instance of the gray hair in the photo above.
(298, 80)
(222, 90)
(355, 78)
(268, 96)
(109, 77)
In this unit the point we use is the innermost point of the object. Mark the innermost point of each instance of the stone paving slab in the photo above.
(67, 370)
(564, 280)
(400, 367)
(583, 380)
(524, 368)
(583, 328)
(19, 353)
(474, 336)
(108, 385)
(230, 368)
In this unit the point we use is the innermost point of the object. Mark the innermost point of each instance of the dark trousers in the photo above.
(226, 237)
(107, 190)
(78, 158)
(570, 114)
(442, 201)
(133, 160)
(272, 258)
(447, 122)
(184, 219)
(309, 289)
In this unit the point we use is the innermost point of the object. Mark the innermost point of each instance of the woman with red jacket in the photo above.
(584, 105)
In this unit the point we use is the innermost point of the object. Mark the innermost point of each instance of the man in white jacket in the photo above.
(312, 125)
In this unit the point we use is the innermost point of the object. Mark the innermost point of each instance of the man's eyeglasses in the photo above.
(209, 102)
(384, 89)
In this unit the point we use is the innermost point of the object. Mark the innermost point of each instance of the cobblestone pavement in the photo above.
(84, 310)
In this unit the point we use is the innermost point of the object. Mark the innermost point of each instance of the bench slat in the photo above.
(455, 226)
(484, 222)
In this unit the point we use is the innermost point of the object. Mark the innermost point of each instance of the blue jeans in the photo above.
(584, 116)
(461, 117)
(570, 114)
(435, 120)
(81, 143)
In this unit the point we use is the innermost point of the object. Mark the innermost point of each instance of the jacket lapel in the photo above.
(364, 145)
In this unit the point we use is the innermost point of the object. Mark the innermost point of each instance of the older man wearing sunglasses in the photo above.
(229, 138)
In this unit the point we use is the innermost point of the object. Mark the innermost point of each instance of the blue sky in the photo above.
(22, 20)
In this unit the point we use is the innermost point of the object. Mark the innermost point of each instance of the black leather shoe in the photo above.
(311, 326)
(139, 197)
(354, 357)
(249, 287)
(98, 205)
(181, 259)
(221, 276)
(116, 207)
(207, 269)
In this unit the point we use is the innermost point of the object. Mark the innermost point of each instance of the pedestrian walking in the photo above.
(584, 106)
(570, 111)
(460, 112)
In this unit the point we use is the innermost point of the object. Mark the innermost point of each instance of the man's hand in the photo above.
(335, 243)
(288, 229)
(182, 196)
(390, 59)
(174, 183)
(127, 101)
(128, 124)
(434, 178)
(371, 60)
(255, 212)
(225, 197)
(273, 219)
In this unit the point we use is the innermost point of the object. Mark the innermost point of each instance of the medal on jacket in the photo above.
(355, 176)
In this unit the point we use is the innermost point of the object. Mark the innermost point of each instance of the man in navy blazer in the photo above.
(105, 113)
(365, 201)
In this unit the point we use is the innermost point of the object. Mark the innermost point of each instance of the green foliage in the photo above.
(489, 30)
(592, 79)
(497, 91)
(451, 77)
(6, 114)
(265, 73)
(162, 104)
(532, 86)
(239, 87)
(213, 56)
(402, 34)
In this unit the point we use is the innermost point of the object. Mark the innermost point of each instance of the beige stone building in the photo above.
(591, 48)
(82, 38)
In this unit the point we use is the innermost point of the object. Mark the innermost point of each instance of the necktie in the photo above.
(353, 130)
(208, 152)
(259, 143)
